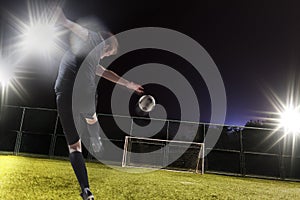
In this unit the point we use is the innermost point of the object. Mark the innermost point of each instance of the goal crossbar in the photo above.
(197, 158)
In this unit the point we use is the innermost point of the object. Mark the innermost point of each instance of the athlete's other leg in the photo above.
(78, 164)
(64, 108)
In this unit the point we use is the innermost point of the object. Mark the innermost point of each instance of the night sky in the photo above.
(255, 45)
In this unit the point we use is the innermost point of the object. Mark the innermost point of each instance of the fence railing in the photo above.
(242, 151)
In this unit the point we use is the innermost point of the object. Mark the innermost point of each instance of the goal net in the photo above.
(163, 154)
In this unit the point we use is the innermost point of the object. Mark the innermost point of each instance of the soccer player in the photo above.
(86, 114)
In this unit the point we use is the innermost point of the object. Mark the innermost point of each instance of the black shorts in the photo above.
(68, 118)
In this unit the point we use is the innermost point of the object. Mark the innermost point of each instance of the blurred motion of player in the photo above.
(64, 84)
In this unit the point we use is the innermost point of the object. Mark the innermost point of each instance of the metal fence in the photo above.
(241, 151)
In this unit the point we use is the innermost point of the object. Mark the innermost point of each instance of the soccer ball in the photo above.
(146, 103)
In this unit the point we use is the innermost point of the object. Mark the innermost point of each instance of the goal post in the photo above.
(163, 154)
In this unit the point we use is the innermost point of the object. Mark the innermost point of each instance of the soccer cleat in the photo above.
(96, 144)
(87, 194)
(95, 139)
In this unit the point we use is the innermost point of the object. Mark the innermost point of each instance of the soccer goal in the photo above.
(163, 154)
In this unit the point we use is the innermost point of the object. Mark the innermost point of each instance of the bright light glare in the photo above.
(40, 37)
(6, 74)
(287, 113)
(290, 120)
(9, 79)
(38, 33)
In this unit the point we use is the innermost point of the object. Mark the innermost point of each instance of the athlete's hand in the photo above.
(136, 87)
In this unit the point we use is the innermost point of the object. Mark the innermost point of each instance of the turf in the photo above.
(35, 178)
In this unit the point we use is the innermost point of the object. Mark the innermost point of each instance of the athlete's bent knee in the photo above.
(75, 147)
(93, 120)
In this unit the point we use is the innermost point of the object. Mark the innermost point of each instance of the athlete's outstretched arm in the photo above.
(72, 26)
(113, 77)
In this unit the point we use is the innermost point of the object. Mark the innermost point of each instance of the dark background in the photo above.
(255, 45)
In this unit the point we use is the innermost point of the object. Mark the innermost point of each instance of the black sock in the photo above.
(79, 168)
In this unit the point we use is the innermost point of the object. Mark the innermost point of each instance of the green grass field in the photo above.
(35, 178)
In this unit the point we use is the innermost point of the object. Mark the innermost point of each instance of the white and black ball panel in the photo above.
(146, 103)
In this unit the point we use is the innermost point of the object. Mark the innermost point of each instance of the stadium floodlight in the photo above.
(290, 120)
(40, 37)
(38, 32)
(9, 77)
(6, 73)
(287, 115)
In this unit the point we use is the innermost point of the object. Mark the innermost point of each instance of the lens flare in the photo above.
(289, 120)
(286, 115)
(37, 33)
(9, 80)
(40, 37)
(6, 73)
